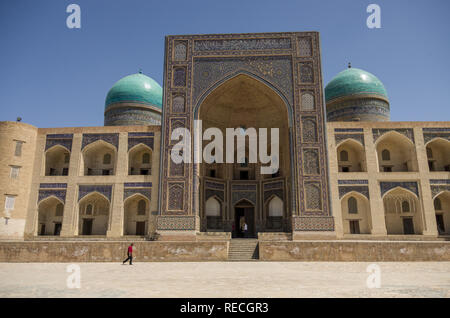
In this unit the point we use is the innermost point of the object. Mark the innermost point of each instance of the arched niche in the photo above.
(401, 150)
(356, 214)
(438, 155)
(275, 213)
(213, 214)
(351, 156)
(441, 204)
(98, 158)
(57, 160)
(140, 160)
(50, 216)
(93, 214)
(403, 212)
(136, 215)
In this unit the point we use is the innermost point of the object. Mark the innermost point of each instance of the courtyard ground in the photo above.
(226, 279)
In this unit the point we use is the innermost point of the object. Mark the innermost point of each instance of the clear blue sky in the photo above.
(53, 76)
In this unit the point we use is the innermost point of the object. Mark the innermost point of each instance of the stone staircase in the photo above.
(243, 250)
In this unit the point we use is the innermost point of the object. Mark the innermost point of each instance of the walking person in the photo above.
(130, 255)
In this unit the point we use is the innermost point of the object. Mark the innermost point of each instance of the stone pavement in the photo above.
(226, 279)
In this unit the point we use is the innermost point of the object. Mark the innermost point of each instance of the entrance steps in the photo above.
(243, 250)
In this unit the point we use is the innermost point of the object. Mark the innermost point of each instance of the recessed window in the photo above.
(18, 150)
(107, 159)
(212, 173)
(385, 155)
(405, 206)
(89, 209)
(146, 158)
(343, 155)
(141, 207)
(243, 175)
(14, 172)
(352, 205)
(144, 172)
(9, 202)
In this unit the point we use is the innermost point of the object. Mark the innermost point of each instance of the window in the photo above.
(352, 205)
(89, 209)
(429, 153)
(65, 171)
(430, 165)
(144, 172)
(437, 204)
(66, 157)
(405, 206)
(343, 155)
(385, 155)
(105, 172)
(212, 173)
(345, 169)
(9, 202)
(14, 172)
(59, 209)
(107, 159)
(18, 151)
(387, 169)
(146, 158)
(141, 207)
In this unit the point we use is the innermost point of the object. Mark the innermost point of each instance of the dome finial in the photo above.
(140, 70)
(349, 64)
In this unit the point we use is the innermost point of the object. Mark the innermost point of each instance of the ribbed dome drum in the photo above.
(356, 95)
(134, 100)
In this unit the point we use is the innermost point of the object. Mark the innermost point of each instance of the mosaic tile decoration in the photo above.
(60, 194)
(317, 223)
(175, 223)
(432, 133)
(64, 140)
(338, 130)
(137, 184)
(353, 182)
(128, 192)
(53, 185)
(105, 189)
(364, 190)
(440, 181)
(407, 132)
(340, 137)
(436, 189)
(411, 186)
(113, 139)
(133, 141)
(242, 44)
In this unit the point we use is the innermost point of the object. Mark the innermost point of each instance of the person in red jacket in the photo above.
(130, 255)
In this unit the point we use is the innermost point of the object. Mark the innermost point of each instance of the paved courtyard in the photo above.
(226, 279)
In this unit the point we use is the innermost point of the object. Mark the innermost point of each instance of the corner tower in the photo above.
(356, 95)
(135, 100)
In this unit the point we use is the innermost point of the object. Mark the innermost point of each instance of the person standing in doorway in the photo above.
(245, 229)
(130, 255)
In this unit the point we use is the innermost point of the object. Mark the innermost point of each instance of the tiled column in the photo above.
(376, 202)
(429, 215)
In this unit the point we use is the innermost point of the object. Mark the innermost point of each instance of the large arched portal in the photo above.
(241, 103)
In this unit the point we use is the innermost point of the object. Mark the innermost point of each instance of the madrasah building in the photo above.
(346, 171)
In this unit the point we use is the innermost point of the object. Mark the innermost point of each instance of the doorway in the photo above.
(244, 215)
(408, 226)
(57, 230)
(87, 226)
(140, 228)
(440, 223)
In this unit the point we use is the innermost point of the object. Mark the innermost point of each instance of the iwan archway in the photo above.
(243, 102)
(246, 81)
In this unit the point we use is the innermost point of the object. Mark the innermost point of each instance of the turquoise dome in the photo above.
(354, 81)
(135, 88)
